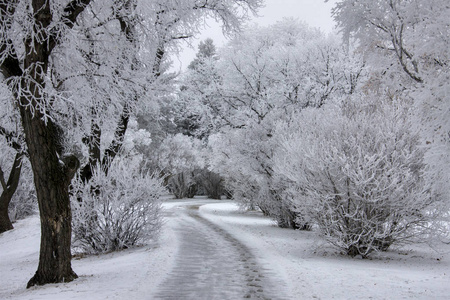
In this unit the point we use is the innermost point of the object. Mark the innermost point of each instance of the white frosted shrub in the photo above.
(244, 159)
(183, 185)
(358, 174)
(211, 184)
(116, 211)
(179, 157)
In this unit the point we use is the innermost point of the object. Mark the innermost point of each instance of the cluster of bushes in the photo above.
(354, 172)
(183, 162)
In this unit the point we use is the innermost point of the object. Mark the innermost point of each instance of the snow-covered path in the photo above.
(212, 264)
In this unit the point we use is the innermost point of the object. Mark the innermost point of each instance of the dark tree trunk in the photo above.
(52, 177)
(93, 142)
(5, 221)
(119, 136)
(9, 188)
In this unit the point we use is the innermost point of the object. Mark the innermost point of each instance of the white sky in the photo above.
(316, 13)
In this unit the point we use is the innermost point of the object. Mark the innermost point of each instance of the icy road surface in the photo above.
(212, 264)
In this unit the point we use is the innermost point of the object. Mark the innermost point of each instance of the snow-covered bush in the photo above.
(357, 172)
(116, 210)
(244, 158)
(183, 184)
(179, 157)
(408, 48)
(211, 183)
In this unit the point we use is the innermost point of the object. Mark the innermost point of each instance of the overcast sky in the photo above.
(314, 12)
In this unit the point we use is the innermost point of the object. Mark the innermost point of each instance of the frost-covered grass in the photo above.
(309, 267)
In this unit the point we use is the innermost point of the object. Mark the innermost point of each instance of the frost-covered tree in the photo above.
(206, 50)
(17, 196)
(38, 38)
(149, 31)
(9, 183)
(193, 108)
(23, 202)
(29, 33)
(407, 43)
(179, 158)
(413, 34)
(263, 76)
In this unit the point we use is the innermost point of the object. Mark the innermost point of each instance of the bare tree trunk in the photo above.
(52, 177)
(9, 188)
(93, 142)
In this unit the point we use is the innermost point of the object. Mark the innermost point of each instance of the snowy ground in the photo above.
(313, 270)
(301, 265)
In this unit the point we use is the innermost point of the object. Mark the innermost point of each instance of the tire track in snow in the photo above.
(212, 264)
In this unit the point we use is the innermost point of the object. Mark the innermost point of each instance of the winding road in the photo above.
(212, 264)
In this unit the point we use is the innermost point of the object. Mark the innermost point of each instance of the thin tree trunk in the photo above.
(119, 136)
(5, 221)
(111, 152)
(128, 28)
(93, 144)
(9, 188)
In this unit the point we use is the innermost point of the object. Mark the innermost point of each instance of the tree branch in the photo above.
(10, 65)
(10, 138)
(70, 14)
(73, 9)
(119, 136)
